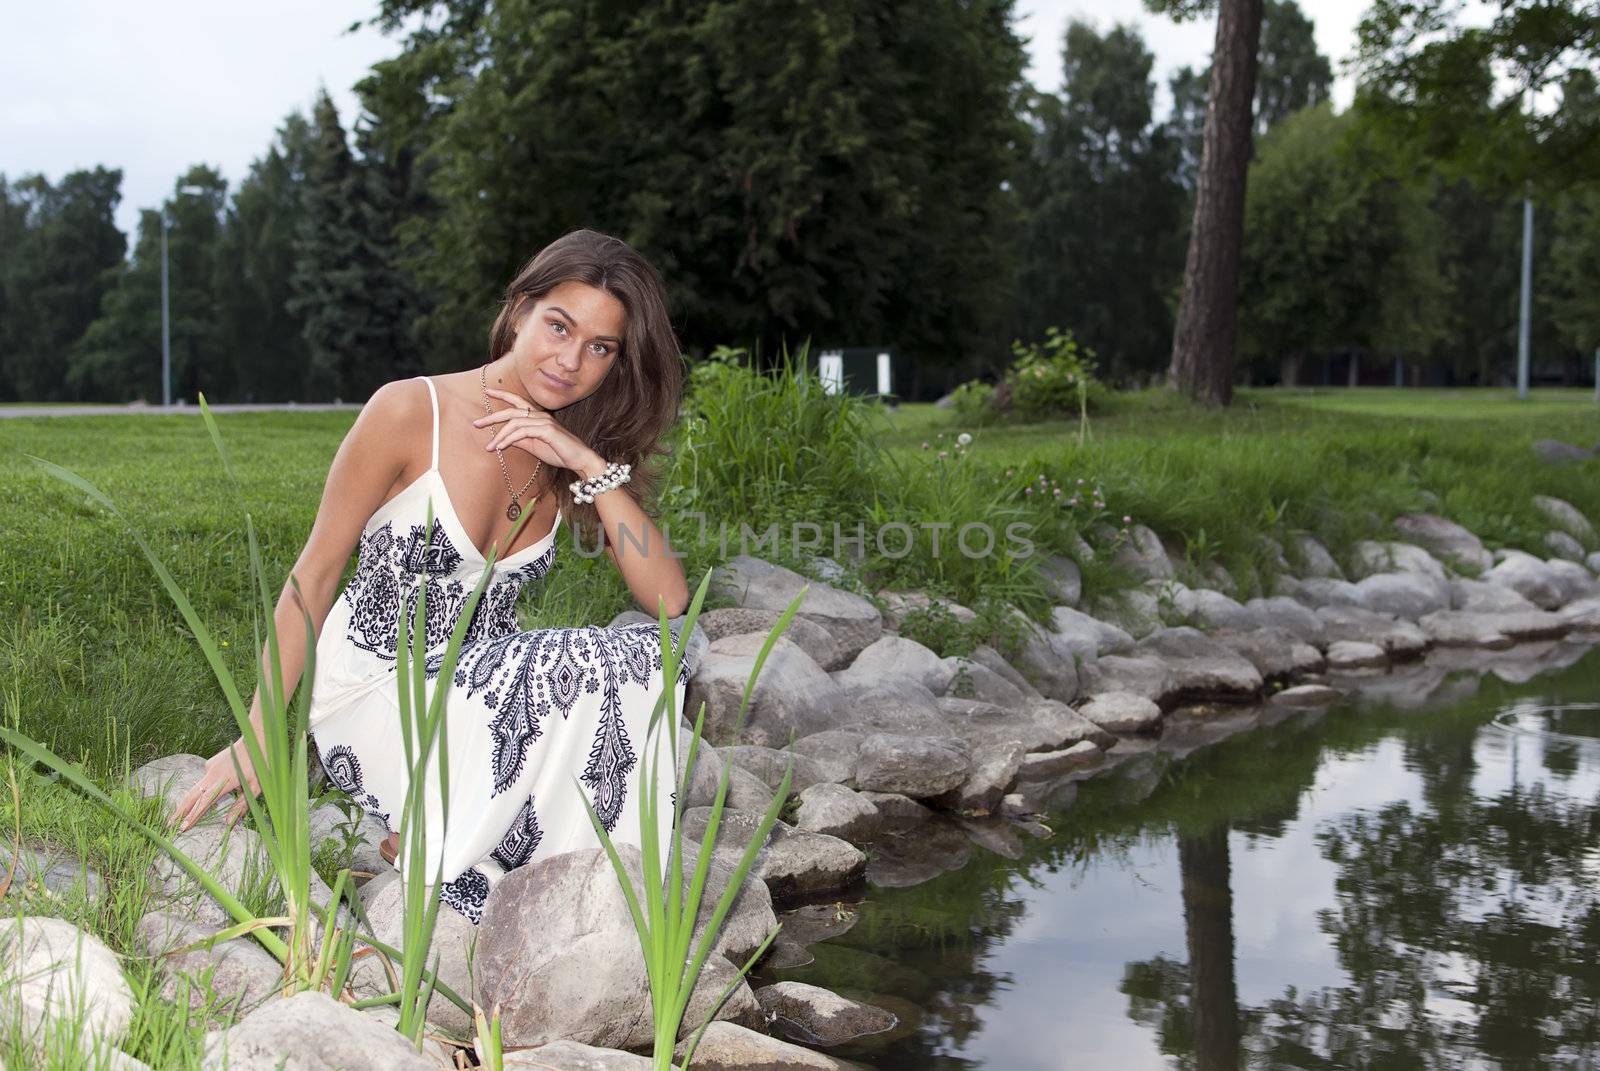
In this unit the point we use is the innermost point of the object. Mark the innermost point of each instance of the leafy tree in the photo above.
(794, 171)
(1098, 250)
(62, 248)
(1203, 342)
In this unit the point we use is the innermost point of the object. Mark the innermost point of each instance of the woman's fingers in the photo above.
(238, 810)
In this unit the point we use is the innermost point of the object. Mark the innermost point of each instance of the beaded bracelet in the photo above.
(614, 476)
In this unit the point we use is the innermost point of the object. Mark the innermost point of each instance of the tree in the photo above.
(835, 173)
(1203, 343)
(62, 248)
(1098, 251)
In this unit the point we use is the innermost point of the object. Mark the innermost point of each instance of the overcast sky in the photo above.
(156, 86)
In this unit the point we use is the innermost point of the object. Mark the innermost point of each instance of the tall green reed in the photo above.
(664, 913)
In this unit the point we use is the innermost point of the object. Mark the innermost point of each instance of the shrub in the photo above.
(1052, 379)
(973, 402)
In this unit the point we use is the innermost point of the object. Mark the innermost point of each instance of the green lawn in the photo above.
(94, 659)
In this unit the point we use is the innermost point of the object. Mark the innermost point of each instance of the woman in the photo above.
(582, 381)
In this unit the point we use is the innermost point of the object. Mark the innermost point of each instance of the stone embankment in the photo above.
(901, 762)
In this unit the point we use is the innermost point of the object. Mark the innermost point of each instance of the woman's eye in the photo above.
(600, 349)
(558, 327)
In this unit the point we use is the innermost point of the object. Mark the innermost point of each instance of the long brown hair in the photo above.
(637, 402)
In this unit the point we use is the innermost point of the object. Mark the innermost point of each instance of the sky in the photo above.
(156, 86)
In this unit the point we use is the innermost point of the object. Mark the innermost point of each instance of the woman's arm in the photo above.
(369, 461)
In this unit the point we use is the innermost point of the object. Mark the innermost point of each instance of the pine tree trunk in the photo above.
(1208, 919)
(1203, 344)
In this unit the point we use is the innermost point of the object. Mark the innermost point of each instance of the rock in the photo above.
(1144, 555)
(1201, 667)
(170, 776)
(1050, 668)
(889, 657)
(1041, 726)
(837, 811)
(1307, 695)
(1528, 577)
(1370, 558)
(1593, 562)
(974, 680)
(1583, 615)
(227, 980)
(914, 766)
(750, 582)
(1556, 452)
(810, 637)
(1532, 625)
(816, 1016)
(1145, 675)
(1136, 611)
(1122, 712)
(1078, 634)
(1563, 545)
(792, 695)
(231, 856)
(572, 1056)
(1352, 654)
(768, 766)
(1317, 593)
(1401, 639)
(898, 606)
(994, 767)
(50, 972)
(557, 952)
(1215, 610)
(1464, 628)
(1046, 765)
(1484, 597)
(1447, 539)
(50, 870)
(311, 1031)
(1572, 580)
(1276, 653)
(1567, 517)
(363, 832)
(741, 1007)
(727, 1047)
(1313, 557)
(987, 656)
(916, 854)
(455, 944)
(1405, 594)
(795, 863)
(832, 752)
(894, 807)
(1062, 579)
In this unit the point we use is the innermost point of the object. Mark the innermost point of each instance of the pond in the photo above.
(1406, 880)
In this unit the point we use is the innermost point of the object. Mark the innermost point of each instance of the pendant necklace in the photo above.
(514, 510)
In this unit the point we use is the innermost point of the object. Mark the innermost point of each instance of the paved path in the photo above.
(158, 410)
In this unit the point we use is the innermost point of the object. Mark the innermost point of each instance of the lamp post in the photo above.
(166, 315)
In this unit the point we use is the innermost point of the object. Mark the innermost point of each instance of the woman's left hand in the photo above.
(538, 433)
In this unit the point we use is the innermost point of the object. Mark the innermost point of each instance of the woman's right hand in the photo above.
(219, 779)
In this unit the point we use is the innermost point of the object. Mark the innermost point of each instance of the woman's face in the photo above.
(567, 343)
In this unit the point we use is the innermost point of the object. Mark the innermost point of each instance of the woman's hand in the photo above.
(219, 779)
(537, 432)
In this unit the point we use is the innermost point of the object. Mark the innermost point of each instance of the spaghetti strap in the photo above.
(433, 398)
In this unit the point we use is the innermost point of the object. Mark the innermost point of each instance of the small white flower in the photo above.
(963, 439)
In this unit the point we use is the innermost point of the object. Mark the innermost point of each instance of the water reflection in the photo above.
(1378, 888)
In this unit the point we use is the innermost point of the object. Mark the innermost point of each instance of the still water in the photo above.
(1406, 880)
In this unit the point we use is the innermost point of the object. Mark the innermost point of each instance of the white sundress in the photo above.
(530, 715)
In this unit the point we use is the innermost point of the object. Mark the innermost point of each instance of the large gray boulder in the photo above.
(974, 680)
(1353, 654)
(1049, 665)
(913, 766)
(1562, 545)
(1143, 675)
(1276, 653)
(1573, 580)
(817, 1016)
(1404, 594)
(1216, 610)
(1077, 634)
(311, 1031)
(810, 637)
(1043, 725)
(52, 972)
(558, 954)
(1122, 712)
(354, 828)
(768, 765)
(232, 856)
(1201, 667)
(1567, 517)
(1313, 558)
(1529, 577)
(1464, 628)
(1481, 596)
(1136, 611)
(1399, 639)
(900, 706)
(1593, 562)
(992, 770)
(225, 981)
(1583, 615)
(1372, 558)
(455, 941)
(792, 695)
(572, 1056)
(1143, 554)
(729, 1047)
(750, 582)
(833, 752)
(1527, 625)
(987, 656)
(1317, 593)
(1446, 539)
(794, 863)
(889, 658)
(1062, 579)
(837, 811)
